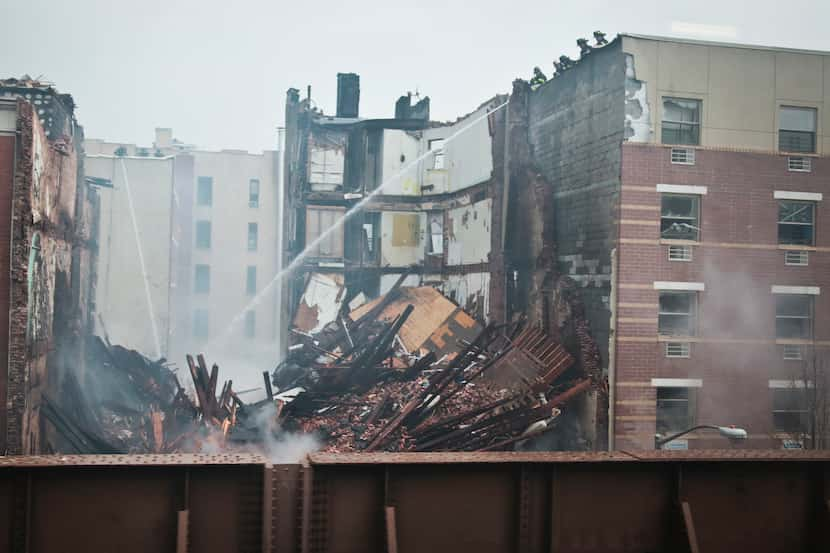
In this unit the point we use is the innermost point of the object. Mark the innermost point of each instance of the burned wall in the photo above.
(576, 128)
(51, 275)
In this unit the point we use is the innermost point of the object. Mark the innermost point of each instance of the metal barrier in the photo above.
(707, 501)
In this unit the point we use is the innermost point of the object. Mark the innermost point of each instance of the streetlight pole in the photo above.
(730, 432)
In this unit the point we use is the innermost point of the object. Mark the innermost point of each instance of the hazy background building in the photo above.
(207, 225)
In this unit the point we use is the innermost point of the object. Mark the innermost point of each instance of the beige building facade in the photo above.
(207, 223)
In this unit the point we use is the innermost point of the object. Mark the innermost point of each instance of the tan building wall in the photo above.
(741, 88)
(120, 298)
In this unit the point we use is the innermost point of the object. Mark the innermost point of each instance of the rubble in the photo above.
(409, 371)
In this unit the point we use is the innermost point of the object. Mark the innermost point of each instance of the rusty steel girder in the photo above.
(710, 501)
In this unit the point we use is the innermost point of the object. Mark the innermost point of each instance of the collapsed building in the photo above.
(435, 211)
(636, 198)
(48, 219)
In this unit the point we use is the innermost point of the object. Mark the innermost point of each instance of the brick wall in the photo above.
(575, 135)
(7, 144)
(738, 259)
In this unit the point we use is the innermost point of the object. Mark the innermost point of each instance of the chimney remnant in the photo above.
(348, 94)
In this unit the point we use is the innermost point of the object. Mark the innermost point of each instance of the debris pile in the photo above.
(409, 371)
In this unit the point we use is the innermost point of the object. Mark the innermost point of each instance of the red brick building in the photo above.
(47, 219)
(680, 185)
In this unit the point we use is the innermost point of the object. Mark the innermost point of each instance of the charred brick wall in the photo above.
(50, 274)
(7, 147)
(735, 352)
(575, 132)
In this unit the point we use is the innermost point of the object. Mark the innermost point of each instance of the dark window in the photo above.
(250, 324)
(795, 222)
(797, 129)
(678, 313)
(370, 234)
(680, 217)
(203, 235)
(253, 193)
(201, 279)
(253, 236)
(200, 323)
(789, 410)
(250, 281)
(794, 316)
(204, 191)
(675, 410)
(681, 121)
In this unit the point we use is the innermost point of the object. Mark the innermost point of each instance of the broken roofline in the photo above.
(723, 44)
(355, 123)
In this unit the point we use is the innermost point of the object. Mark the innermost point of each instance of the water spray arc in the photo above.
(137, 234)
(355, 209)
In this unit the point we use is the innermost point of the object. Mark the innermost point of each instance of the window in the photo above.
(678, 314)
(204, 191)
(681, 121)
(797, 129)
(253, 236)
(436, 233)
(200, 323)
(250, 324)
(203, 235)
(201, 279)
(680, 217)
(795, 222)
(794, 316)
(250, 281)
(436, 146)
(318, 221)
(789, 410)
(253, 193)
(370, 236)
(675, 409)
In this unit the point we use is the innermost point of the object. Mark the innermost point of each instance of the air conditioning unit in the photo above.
(680, 253)
(683, 156)
(796, 257)
(799, 164)
(677, 349)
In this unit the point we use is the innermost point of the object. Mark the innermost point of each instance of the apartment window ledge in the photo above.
(672, 338)
(785, 153)
(793, 342)
(675, 242)
(799, 247)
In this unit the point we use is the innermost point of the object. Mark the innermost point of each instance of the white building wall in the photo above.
(120, 293)
(229, 258)
(469, 233)
(120, 297)
(468, 156)
(400, 150)
(403, 235)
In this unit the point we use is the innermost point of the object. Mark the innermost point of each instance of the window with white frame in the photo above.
(680, 216)
(676, 409)
(436, 146)
(796, 222)
(794, 316)
(797, 129)
(677, 313)
(204, 191)
(681, 121)
(789, 409)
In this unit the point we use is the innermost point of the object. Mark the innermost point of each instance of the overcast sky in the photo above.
(216, 71)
